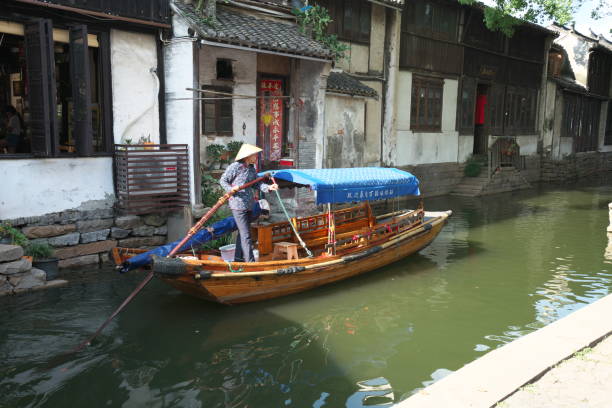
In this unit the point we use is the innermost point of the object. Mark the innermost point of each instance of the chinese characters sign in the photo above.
(271, 118)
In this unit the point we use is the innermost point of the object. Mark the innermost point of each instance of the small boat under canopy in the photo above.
(330, 246)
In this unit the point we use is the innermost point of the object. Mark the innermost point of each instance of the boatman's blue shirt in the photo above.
(238, 174)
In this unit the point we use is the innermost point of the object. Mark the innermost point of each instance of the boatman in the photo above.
(241, 203)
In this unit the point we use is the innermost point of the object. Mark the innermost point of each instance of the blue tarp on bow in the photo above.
(220, 228)
(355, 184)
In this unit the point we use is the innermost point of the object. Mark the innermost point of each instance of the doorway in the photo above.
(480, 120)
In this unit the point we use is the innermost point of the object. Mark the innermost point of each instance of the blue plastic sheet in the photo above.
(220, 228)
(354, 184)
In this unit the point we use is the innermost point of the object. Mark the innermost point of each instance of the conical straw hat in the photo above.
(247, 150)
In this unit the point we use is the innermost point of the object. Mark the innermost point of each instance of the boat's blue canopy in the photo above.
(355, 184)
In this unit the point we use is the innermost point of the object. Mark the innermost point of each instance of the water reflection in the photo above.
(503, 267)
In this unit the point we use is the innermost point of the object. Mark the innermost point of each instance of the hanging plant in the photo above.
(314, 20)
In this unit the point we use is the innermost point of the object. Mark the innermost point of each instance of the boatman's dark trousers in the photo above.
(244, 244)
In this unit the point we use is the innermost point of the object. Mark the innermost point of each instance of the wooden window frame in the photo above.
(217, 103)
(40, 67)
(580, 121)
(361, 11)
(608, 130)
(430, 85)
(431, 31)
(599, 72)
(466, 106)
(520, 110)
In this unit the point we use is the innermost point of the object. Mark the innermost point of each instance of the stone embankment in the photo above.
(85, 237)
(17, 274)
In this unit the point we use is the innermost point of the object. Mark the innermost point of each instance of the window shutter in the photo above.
(41, 87)
(495, 109)
(467, 98)
(81, 90)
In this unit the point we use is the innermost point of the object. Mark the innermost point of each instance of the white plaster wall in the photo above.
(135, 87)
(244, 65)
(389, 136)
(421, 148)
(528, 145)
(344, 131)
(466, 147)
(578, 54)
(178, 61)
(377, 38)
(373, 122)
(549, 116)
(567, 146)
(357, 58)
(41, 186)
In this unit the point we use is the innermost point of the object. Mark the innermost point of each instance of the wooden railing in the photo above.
(505, 152)
(151, 178)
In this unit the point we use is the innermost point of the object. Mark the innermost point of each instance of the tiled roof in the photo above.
(341, 82)
(570, 84)
(237, 28)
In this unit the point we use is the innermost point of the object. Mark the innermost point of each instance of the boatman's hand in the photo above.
(273, 187)
(235, 189)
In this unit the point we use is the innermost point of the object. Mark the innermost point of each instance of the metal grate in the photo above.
(151, 178)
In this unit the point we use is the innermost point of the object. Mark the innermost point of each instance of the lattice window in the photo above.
(426, 106)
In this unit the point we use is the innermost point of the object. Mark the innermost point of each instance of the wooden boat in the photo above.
(355, 243)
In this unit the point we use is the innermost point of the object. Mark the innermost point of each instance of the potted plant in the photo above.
(233, 148)
(42, 258)
(214, 153)
(10, 235)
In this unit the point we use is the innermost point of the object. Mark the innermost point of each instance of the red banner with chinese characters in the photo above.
(271, 118)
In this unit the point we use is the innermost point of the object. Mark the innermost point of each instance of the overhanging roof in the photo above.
(245, 30)
(341, 82)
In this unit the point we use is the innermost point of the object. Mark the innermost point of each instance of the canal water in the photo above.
(504, 266)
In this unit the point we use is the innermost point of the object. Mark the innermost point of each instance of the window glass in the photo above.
(14, 119)
(426, 104)
(217, 115)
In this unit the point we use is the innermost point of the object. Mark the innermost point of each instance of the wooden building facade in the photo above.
(70, 71)
(468, 85)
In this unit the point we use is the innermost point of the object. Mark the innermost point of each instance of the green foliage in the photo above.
(316, 18)
(214, 152)
(507, 14)
(211, 193)
(233, 148)
(39, 251)
(15, 235)
(473, 167)
(211, 190)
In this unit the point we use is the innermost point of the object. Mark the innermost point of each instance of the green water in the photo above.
(503, 267)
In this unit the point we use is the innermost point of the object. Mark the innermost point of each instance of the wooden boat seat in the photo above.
(285, 249)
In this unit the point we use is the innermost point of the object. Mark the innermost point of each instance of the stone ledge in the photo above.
(498, 374)
(50, 284)
(84, 260)
(85, 249)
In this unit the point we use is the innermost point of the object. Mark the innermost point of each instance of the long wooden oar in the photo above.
(149, 276)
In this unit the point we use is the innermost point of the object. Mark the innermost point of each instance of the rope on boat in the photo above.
(302, 243)
(232, 270)
(423, 228)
